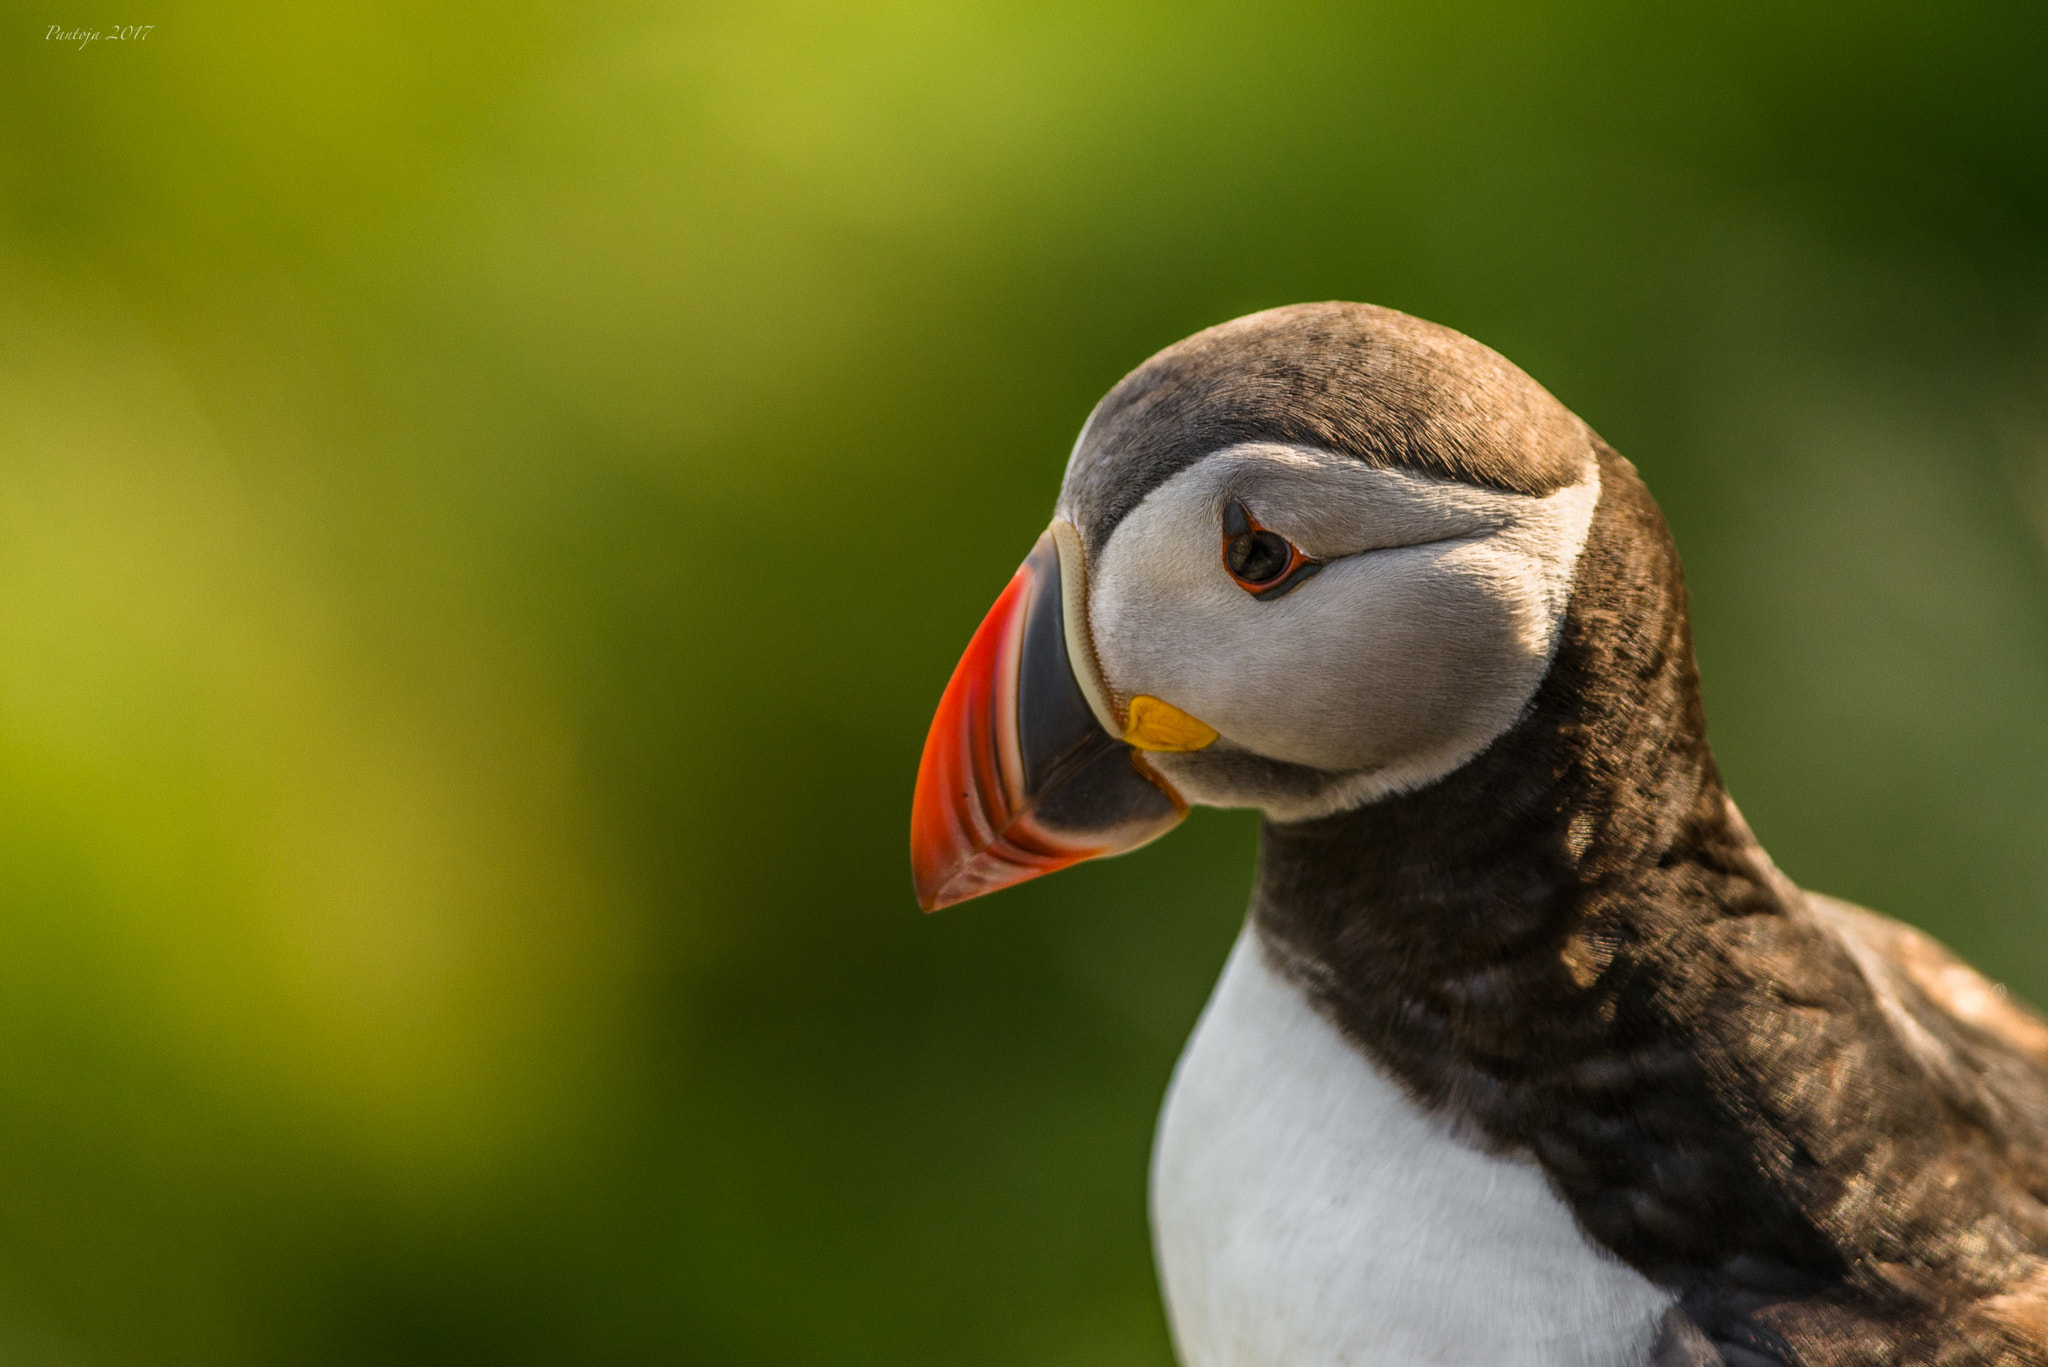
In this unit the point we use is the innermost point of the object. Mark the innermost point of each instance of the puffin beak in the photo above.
(1029, 767)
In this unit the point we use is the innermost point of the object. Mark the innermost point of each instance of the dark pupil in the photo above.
(1256, 557)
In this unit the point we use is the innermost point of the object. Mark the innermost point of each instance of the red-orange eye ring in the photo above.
(1263, 563)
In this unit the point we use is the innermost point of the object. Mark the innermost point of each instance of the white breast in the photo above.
(1306, 1213)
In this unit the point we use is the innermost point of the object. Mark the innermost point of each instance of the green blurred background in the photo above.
(489, 497)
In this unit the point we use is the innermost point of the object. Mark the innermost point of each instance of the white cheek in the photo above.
(1160, 605)
(1379, 656)
(1402, 662)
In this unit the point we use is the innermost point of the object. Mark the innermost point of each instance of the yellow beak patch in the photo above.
(1160, 726)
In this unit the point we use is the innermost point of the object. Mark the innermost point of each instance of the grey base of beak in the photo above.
(1079, 781)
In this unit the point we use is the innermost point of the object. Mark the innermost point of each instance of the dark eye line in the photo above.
(1264, 563)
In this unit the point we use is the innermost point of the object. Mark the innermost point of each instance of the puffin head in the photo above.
(1302, 561)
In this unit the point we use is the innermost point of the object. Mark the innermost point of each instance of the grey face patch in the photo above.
(1426, 633)
(1389, 390)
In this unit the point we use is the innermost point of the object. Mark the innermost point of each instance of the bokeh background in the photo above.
(490, 494)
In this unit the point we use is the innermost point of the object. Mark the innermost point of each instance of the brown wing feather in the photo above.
(1976, 1289)
(1945, 981)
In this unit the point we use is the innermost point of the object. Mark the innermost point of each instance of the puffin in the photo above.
(1527, 1055)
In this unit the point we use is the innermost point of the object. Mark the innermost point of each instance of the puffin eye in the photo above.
(1264, 563)
(1258, 557)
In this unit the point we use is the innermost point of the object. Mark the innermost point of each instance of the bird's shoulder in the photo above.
(1906, 1097)
(1967, 1030)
